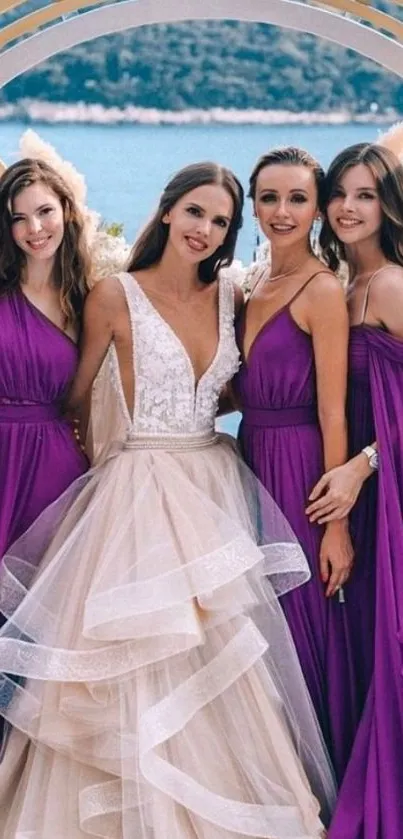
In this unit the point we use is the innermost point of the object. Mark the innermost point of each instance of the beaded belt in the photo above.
(171, 442)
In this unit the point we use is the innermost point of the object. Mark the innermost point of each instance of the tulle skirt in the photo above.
(148, 674)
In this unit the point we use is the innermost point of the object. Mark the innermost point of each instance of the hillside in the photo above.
(208, 64)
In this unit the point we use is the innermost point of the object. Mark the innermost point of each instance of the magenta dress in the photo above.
(39, 454)
(360, 592)
(370, 804)
(282, 443)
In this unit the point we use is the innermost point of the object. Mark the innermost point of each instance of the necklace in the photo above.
(282, 276)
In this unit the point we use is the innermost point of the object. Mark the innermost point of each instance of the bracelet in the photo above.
(76, 433)
(372, 455)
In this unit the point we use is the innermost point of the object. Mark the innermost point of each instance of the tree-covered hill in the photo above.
(209, 64)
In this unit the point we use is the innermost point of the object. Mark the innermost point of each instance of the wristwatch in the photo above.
(372, 455)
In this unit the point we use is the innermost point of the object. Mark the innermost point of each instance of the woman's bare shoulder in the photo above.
(107, 293)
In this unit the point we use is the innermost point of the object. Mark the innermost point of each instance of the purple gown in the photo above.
(39, 454)
(360, 592)
(282, 443)
(370, 805)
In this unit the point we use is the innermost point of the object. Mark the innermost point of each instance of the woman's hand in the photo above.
(336, 557)
(335, 494)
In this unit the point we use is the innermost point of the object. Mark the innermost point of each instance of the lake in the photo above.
(127, 166)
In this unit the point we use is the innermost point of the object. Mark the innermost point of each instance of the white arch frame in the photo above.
(131, 14)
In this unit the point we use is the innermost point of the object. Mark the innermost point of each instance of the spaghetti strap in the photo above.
(276, 313)
(368, 289)
(300, 290)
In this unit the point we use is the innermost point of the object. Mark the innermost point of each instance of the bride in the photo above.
(148, 674)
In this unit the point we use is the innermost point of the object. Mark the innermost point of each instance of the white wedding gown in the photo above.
(158, 694)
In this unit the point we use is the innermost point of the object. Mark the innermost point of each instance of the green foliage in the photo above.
(212, 64)
(113, 228)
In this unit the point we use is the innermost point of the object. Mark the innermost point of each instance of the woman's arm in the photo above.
(227, 402)
(328, 323)
(338, 489)
(101, 309)
(385, 303)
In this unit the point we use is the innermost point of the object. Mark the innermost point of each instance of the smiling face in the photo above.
(286, 203)
(37, 222)
(354, 210)
(199, 222)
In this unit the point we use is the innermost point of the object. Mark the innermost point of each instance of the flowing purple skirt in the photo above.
(282, 443)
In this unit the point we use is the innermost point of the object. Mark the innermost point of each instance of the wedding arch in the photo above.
(54, 27)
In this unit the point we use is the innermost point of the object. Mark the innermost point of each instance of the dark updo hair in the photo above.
(288, 156)
(388, 176)
(72, 263)
(150, 245)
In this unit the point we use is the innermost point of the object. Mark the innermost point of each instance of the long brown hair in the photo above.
(72, 262)
(388, 175)
(150, 245)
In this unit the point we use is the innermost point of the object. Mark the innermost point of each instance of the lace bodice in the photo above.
(168, 400)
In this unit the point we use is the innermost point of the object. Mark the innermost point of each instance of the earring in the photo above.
(315, 233)
(257, 239)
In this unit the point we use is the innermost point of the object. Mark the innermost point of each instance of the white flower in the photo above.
(109, 254)
(235, 272)
(32, 145)
(393, 140)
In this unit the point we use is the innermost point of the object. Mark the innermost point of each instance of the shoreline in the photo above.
(33, 111)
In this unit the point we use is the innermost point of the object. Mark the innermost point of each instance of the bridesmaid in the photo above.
(291, 388)
(43, 283)
(364, 225)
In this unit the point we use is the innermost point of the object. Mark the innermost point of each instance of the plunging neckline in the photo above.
(280, 311)
(284, 308)
(259, 332)
(180, 344)
(47, 319)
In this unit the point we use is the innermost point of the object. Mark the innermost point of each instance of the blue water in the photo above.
(126, 167)
(229, 423)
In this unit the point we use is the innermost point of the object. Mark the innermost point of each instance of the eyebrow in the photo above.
(358, 188)
(37, 210)
(199, 207)
(295, 189)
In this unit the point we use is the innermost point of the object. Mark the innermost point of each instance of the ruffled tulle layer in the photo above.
(152, 685)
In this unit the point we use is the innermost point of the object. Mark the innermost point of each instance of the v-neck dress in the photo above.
(39, 455)
(281, 442)
(163, 696)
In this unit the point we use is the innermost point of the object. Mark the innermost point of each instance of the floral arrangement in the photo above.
(393, 140)
(110, 253)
